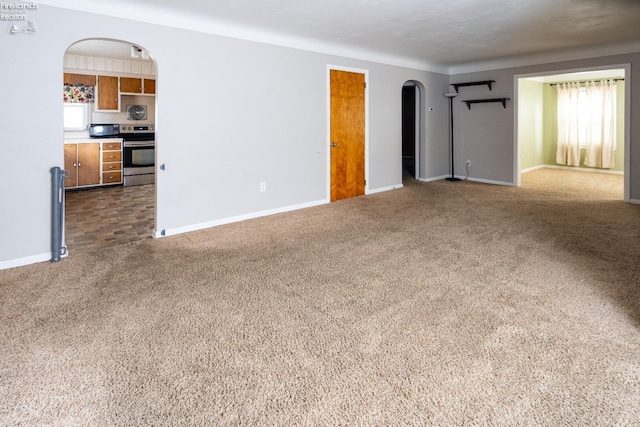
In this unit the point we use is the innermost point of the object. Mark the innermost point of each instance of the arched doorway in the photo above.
(411, 130)
(110, 194)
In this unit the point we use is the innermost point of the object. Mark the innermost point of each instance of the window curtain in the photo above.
(587, 119)
(568, 151)
(601, 125)
(78, 94)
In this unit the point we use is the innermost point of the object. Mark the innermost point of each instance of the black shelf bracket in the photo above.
(482, 101)
(480, 83)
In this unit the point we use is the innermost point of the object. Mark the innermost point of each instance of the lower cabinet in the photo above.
(83, 163)
(111, 162)
(93, 164)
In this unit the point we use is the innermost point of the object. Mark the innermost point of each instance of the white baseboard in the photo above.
(634, 201)
(19, 262)
(535, 168)
(575, 169)
(489, 181)
(465, 178)
(209, 224)
(435, 178)
(383, 189)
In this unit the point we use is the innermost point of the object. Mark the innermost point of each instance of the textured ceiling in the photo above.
(434, 34)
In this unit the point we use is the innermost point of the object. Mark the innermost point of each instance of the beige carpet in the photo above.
(436, 304)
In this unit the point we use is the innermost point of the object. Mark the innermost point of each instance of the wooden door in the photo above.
(71, 164)
(347, 131)
(89, 164)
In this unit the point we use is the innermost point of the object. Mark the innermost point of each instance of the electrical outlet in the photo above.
(468, 162)
(263, 187)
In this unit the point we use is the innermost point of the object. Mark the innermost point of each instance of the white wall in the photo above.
(230, 114)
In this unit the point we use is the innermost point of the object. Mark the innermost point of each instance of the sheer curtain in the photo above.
(601, 125)
(587, 119)
(568, 152)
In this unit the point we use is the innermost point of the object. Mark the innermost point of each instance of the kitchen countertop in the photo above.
(87, 139)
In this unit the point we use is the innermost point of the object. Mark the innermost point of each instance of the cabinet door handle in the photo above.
(79, 164)
(112, 157)
(75, 165)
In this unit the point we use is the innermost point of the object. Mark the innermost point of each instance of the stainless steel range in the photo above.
(138, 154)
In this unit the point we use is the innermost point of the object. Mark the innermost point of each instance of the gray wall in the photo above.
(230, 114)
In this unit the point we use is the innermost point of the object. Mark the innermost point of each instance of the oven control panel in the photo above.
(137, 129)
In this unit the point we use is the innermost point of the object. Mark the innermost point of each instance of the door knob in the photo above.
(334, 144)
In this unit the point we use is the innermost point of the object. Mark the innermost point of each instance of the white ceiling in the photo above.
(438, 35)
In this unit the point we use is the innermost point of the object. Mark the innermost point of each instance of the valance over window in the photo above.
(78, 94)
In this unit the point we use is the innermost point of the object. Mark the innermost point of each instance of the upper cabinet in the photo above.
(107, 94)
(79, 79)
(130, 85)
(111, 77)
(149, 86)
(109, 88)
(137, 85)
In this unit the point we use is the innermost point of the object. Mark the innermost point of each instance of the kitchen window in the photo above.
(76, 116)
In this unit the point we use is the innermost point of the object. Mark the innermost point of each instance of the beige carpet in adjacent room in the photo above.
(436, 304)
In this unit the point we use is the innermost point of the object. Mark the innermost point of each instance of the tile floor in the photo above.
(108, 216)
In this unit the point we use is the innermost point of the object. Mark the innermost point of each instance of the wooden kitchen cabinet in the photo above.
(71, 164)
(83, 163)
(130, 85)
(149, 86)
(79, 79)
(107, 94)
(111, 163)
(137, 85)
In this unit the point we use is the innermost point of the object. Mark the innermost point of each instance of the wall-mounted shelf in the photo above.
(482, 101)
(480, 83)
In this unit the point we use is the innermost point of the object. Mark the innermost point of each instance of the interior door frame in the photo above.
(627, 119)
(366, 125)
(418, 125)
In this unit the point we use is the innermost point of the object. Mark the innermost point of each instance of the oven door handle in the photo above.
(139, 143)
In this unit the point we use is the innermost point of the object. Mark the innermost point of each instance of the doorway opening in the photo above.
(410, 130)
(536, 121)
(108, 82)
